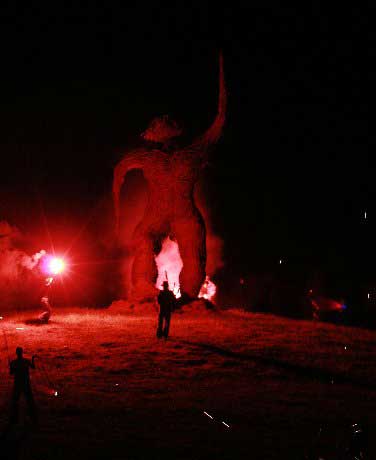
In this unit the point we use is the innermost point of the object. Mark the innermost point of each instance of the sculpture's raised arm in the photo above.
(212, 135)
(132, 160)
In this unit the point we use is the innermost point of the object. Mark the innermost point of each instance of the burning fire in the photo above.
(208, 289)
(169, 266)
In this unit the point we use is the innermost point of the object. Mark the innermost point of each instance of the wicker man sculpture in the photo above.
(171, 174)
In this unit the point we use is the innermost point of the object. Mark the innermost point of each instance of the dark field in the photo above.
(122, 394)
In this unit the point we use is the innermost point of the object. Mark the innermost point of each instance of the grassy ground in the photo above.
(123, 394)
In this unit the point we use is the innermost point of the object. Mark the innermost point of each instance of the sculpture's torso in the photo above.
(171, 179)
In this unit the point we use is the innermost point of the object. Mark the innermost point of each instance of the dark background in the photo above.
(291, 177)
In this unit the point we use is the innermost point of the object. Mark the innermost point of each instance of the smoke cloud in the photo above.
(17, 280)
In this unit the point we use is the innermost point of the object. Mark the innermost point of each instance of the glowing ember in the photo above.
(325, 304)
(169, 265)
(49, 281)
(208, 289)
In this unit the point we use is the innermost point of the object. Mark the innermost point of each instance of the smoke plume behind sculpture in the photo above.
(171, 174)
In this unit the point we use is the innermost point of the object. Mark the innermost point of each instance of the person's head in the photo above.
(165, 285)
(19, 352)
(162, 129)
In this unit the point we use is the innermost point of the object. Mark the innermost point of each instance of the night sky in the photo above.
(291, 177)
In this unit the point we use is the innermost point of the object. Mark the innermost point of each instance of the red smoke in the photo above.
(17, 280)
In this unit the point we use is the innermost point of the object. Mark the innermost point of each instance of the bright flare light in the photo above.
(52, 266)
(56, 266)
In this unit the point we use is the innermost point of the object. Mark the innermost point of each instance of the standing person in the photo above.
(167, 303)
(19, 368)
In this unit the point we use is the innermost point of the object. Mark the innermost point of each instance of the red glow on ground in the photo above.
(208, 289)
(169, 266)
(86, 353)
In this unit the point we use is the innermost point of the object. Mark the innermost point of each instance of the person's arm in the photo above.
(131, 160)
(160, 302)
(11, 369)
(211, 136)
(32, 364)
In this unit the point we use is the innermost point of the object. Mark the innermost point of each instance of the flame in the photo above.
(169, 265)
(208, 289)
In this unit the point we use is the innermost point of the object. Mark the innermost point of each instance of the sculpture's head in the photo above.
(162, 129)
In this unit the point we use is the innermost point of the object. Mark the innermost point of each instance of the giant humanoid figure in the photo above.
(171, 174)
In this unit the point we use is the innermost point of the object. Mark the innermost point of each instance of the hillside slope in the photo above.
(124, 394)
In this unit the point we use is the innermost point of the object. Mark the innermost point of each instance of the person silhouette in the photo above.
(19, 368)
(167, 303)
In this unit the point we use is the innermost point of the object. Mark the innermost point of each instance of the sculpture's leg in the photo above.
(144, 270)
(191, 238)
